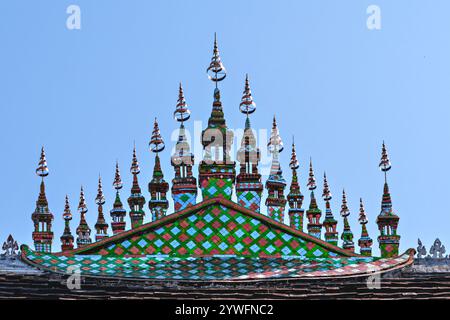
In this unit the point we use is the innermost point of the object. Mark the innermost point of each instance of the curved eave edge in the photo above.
(195, 208)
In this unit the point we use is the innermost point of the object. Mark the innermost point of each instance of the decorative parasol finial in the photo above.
(216, 71)
(345, 212)
(82, 208)
(156, 142)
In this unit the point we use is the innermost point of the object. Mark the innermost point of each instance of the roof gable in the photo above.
(214, 227)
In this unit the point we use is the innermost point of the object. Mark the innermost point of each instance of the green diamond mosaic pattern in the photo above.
(214, 187)
(216, 230)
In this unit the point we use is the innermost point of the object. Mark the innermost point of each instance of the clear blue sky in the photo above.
(337, 86)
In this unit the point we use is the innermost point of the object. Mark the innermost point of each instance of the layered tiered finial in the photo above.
(248, 181)
(42, 217)
(136, 201)
(365, 242)
(67, 237)
(295, 197)
(387, 220)
(83, 230)
(330, 224)
(184, 185)
(100, 226)
(313, 213)
(118, 213)
(275, 184)
(347, 235)
(157, 187)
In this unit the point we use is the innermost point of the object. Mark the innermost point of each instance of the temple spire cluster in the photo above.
(217, 179)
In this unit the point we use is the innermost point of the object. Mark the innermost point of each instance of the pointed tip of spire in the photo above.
(42, 169)
(294, 162)
(275, 143)
(216, 71)
(311, 179)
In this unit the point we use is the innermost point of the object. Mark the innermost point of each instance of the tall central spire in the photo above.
(216, 171)
(136, 200)
(248, 181)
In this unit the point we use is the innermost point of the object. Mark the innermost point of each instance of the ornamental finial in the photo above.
(156, 142)
(100, 198)
(275, 143)
(247, 105)
(82, 208)
(326, 195)
(311, 179)
(134, 169)
(117, 184)
(216, 71)
(67, 215)
(182, 112)
(293, 164)
(345, 212)
(42, 169)
(362, 214)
